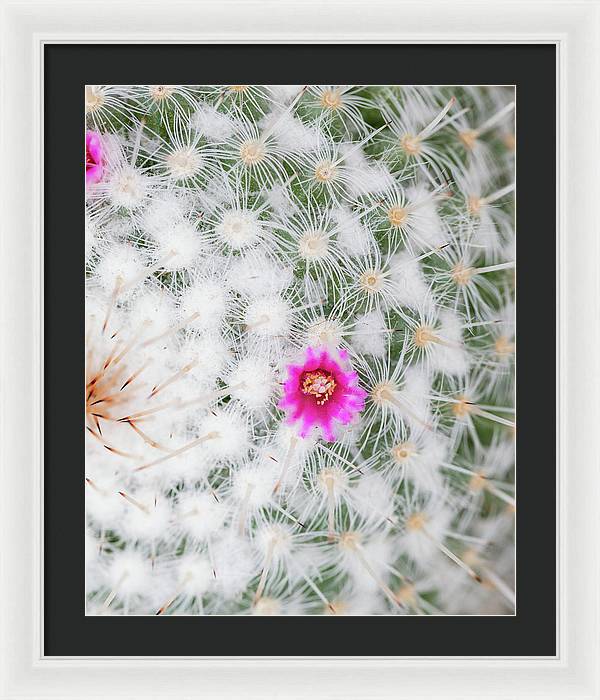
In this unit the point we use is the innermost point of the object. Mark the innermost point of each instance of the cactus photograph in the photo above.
(300, 349)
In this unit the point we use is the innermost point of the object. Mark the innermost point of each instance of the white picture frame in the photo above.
(574, 27)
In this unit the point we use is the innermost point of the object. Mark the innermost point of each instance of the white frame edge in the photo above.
(574, 27)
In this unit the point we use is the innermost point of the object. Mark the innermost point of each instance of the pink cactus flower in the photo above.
(322, 389)
(93, 158)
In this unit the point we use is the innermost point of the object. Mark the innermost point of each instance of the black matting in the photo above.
(67, 69)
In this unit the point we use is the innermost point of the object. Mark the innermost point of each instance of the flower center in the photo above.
(397, 215)
(252, 152)
(331, 99)
(267, 606)
(160, 92)
(461, 274)
(383, 392)
(406, 594)
(325, 171)
(403, 451)
(184, 162)
(239, 228)
(416, 521)
(325, 332)
(94, 99)
(332, 478)
(313, 244)
(503, 346)
(371, 281)
(468, 138)
(463, 407)
(349, 540)
(411, 145)
(423, 336)
(477, 483)
(474, 205)
(318, 383)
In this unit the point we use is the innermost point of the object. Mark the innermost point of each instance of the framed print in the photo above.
(281, 333)
(308, 263)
